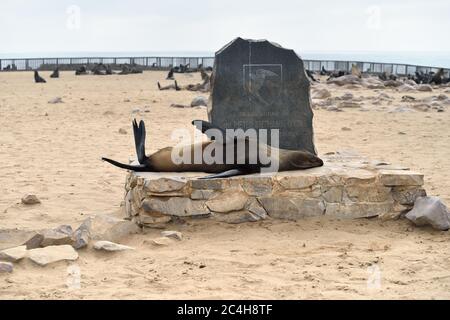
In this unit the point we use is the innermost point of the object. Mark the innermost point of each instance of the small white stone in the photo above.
(6, 267)
(172, 234)
(110, 246)
(13, 254)
(30, 199)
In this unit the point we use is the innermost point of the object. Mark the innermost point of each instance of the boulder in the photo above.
(81, 236)
(104, 227)
(199, 102)
(30, 199)
(11, 238)
(345, 80)
(52, 254)
(406, 88)
(430, 211)
(13, 254)
(56, 237)
(110, 246)
(6, 267)
(322, 93)
(424, 88)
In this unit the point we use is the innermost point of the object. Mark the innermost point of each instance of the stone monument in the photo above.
(260, 85)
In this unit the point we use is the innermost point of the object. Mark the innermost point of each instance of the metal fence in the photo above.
(167, 62)
(73, 63)
(370, 67)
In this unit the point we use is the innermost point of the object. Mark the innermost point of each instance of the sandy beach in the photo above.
(54, 151)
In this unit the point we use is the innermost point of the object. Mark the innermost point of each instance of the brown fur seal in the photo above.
(38, 78)
(161, 161)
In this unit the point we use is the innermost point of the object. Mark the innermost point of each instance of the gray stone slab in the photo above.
(260, 85)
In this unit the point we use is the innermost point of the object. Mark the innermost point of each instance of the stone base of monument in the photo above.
(347, 186)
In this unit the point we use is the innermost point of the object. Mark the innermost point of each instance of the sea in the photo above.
(428, 58)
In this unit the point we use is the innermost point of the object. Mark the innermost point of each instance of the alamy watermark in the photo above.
(374, 18)
(73, 21)
(374, 277)
(73, 280)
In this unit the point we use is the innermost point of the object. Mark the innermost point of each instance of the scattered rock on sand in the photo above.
(321, 93)
(424, 88)
(173, 234)
(6, 267)
(334, 108)
(392, 83)
(430, 211)
(347, 96)
(180, 106)
(199, 102)
(401, 109)
(346, 129)
(13, 254)
(406, 88)
(408, 99)
(82, 235)
(110, 246)
(163, 241)
(345, 80)
(56, 100)
(123, 131)
(58, 236)
(349, 104)
(30, 199)
(52, 254)
(12, 238)
(34, 242)
(105, 227)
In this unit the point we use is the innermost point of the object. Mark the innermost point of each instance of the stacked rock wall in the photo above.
(342, 189)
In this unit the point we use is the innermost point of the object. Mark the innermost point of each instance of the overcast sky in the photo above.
(198, 25)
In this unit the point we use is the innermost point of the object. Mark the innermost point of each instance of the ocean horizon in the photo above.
(427, 58)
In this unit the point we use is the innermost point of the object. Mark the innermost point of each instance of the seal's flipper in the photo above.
(139, 168)
(139, 140)
(226, 174)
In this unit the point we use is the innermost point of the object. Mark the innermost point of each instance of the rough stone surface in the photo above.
(430, 211)
(52, 254)
(393, 178)
(81, 236)
(260, 85)
(347, 186)
(199, 102)
(110, 246)
(6, 267)
(228, 201)
(58, 236)
(13, 254)
(11, 238)
(108, 228)
(30, 199)
(181, 207)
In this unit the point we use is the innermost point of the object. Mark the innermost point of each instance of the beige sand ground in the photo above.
(54, 151)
